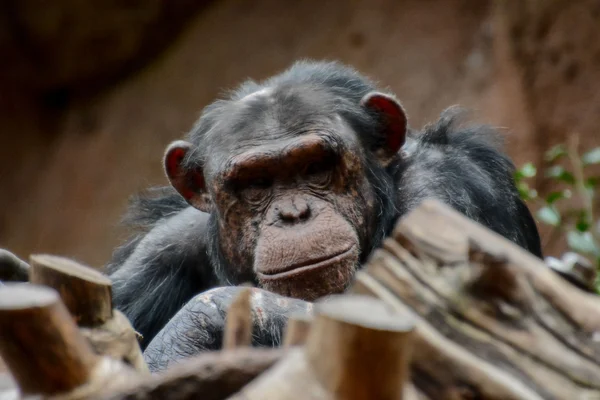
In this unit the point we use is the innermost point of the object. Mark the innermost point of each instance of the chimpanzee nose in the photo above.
(294, 210)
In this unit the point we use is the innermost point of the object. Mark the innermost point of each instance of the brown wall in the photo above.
(65, 176)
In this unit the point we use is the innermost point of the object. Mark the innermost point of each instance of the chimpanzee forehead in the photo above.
(270, 116)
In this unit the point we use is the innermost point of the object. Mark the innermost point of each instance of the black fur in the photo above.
(176, 256)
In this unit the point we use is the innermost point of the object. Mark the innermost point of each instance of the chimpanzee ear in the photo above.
(393, 122)
(188, 182)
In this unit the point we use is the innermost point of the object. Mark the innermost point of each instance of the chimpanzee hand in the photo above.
(199, 325)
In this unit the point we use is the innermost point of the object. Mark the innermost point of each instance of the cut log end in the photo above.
(364, 311)
(86, 292)
(358, 348)
(40, 343)
(71, 268)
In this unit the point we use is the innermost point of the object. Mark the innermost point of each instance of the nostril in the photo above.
(304, 214)
(285, 217)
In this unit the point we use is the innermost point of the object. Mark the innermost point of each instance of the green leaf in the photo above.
(591, 157)
(560, 173)
(582, 225)
(549, 215)
(556, 152)
(583, 242)
(528, 170)
(590, 185)
(525, 192)
(555, 196)
(583, 222)
(592, 182)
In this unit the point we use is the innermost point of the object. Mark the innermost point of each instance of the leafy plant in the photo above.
(569, 209)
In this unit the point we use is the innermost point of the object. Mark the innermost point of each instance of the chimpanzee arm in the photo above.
(199, 325)
(165, 269)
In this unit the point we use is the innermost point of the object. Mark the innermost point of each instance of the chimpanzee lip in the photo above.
(307, 265)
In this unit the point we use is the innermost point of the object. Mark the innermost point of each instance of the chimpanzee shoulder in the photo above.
(164, 263)
(465, 165)
(145, 210)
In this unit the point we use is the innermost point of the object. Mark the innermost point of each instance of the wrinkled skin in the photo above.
(198, 326)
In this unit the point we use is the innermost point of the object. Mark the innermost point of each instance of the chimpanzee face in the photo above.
(288, 188)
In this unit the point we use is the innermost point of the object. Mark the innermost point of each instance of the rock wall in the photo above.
(67, 169)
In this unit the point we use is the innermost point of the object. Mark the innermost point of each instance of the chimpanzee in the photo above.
(289, 184)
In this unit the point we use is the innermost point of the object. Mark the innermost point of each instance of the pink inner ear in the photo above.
(395, 119)
(197, 179)
(174, 162)
(177, 175)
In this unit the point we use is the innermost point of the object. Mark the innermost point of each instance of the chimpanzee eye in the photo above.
(319, 173)
(256, 190)
(260, 183)
(313, 168)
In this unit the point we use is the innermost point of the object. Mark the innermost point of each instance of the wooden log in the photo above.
(86, 292)
(359, 349)
(356, 349)
(492, 321)
(117, 339)
(41, 344)
(238, 322)
(209, 376)
(297, 329)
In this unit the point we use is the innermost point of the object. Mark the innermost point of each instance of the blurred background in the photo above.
(92, 92)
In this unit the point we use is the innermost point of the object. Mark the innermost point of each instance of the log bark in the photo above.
(44, 350)
(210, 376)
(86, 293)
(493, 322)
(297, 329)
(40, 343)
(356, 349)
(117, 339)
(238, 322)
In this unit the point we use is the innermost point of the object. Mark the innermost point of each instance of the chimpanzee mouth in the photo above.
(307, 265)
